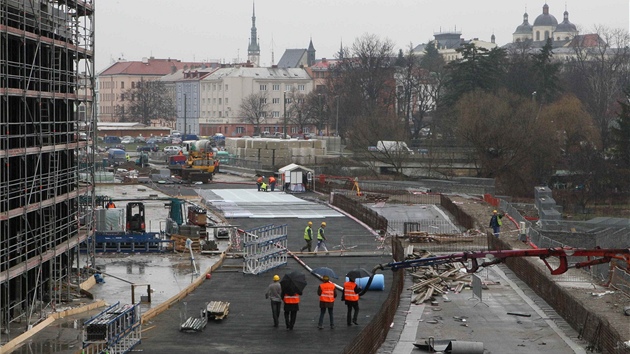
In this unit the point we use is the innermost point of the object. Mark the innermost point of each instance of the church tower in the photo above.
(253, 50)
(310, 54)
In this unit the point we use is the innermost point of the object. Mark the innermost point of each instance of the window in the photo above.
(546, 35)
(133, 84)
(300, 100)
(122, 84)
(122, 96)
(276, 87)
(214, 87)
(219, 87)
(288, 88)
(219, 100)
(240, 130)
(301, 87)
(214, 101)
(275, 114)
(226, 87)
(276, 101)
(263, 101)
(220, 114)
(537, 35)
(226, 100)
(263, 87)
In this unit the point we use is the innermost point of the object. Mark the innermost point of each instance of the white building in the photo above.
(545, 26)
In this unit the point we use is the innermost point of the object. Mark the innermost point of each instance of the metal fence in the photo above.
(600, 273)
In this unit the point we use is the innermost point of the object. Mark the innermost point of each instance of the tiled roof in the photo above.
(260, 73)
(158, 67)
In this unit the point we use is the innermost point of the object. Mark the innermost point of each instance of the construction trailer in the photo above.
(47, 138)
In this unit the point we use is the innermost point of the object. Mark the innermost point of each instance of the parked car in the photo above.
(176, 140)
(111, 140)
(140, 138)
(152, 141)
(147, 148)
(127, 141)
(172, 150)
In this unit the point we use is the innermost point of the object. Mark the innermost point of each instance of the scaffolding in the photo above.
(46, 154)
(264, 248)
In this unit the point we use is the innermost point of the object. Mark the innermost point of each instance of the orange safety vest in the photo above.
(328, 292)
(348, 291)
(291, 299)
(272, 180)
(259, 180)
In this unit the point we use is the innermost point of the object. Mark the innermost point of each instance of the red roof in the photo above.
(158, 67)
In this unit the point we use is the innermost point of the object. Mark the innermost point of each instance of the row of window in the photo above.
(215, 87)
(287, 87)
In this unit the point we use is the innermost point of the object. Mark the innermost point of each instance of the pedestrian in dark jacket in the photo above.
(274, 293)
(291, 307)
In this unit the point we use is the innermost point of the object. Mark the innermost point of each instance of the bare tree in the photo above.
(147, 101)
(254, 109)
(299, 110)
(599, 72)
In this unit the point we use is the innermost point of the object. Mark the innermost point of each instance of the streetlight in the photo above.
(184, 117)
(284, 130)
(319, 108)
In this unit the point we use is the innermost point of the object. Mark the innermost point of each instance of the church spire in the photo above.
(253, 50)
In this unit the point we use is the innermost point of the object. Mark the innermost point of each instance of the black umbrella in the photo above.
(358, 273)
(293, 283)
(325, 271)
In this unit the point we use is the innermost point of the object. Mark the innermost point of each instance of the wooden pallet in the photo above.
(218, 309)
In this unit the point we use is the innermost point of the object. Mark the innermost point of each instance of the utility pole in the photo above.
(184, 137)
(284, 95)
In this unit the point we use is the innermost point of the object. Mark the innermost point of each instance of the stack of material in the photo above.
(423, 236)
(179, 243)
(436, 279)
(218, 309)
(195, 324)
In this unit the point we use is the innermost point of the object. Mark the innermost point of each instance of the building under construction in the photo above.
(46, 177)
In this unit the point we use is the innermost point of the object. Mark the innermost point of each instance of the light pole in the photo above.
(284, 130)
(184, 136)
(337, 120)
(319, 109)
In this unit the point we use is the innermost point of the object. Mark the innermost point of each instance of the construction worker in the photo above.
(110, 205)
(272, 182)
(495, 222)
(259, 182)
(308, 237)
(263, 186)
(127, 157)
(351, 296)
(274, 291)
(321, 238)
(291, 307)
(327, 293)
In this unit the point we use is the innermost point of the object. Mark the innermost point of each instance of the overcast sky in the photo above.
(197, 30)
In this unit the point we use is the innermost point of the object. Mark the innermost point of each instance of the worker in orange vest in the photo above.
(351, 296)
(110, 205)
(327, 293)
(272, 182)
(291, 307)
(259, 182)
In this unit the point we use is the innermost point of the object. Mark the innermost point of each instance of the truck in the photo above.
(116, 156)
(393, 147)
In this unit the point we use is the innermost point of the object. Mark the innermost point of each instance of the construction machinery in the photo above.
(470, 260)
(200, 163)
(124, 230)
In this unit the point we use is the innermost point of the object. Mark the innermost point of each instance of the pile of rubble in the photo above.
(433, 280)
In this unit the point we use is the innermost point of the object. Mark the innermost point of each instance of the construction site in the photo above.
(46, 183)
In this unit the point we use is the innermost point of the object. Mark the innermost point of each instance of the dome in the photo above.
(525, 27)
(566, 25)
(545, 19)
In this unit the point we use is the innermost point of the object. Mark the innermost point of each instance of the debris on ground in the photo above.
(433, 280)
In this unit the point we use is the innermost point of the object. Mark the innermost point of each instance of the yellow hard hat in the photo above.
(310, 223)
(323, 223)
(494, 211)
(325, 278)
(276, 277)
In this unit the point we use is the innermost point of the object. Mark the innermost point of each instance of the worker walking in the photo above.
(327, 293)
(259, 182)
(308, 237)
(291, 307)
(272, 182)
(127, 157)
(495, 222)
(351, 296)
(321, 238)
(274, 293)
